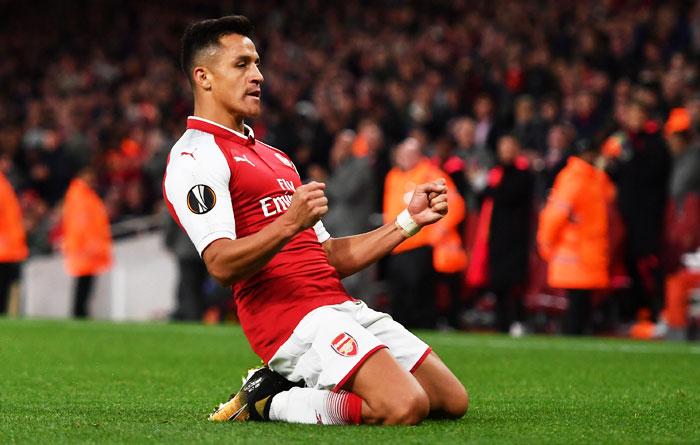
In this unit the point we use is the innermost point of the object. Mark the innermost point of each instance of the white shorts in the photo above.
(331, 342)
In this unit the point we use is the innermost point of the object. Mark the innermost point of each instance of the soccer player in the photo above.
(259, 229)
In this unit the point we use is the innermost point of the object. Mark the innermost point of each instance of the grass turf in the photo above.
(68, 382)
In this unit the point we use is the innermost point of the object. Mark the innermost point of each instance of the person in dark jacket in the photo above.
(192, 274)
(500, 253)
(348, 189)
(639, 163)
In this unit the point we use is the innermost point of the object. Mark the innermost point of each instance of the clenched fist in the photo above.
(309, 204)
(429, 202)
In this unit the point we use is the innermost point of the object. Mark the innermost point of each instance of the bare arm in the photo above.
(229, 261)
(353, 253)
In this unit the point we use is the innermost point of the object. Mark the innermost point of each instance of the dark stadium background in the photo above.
(97, 83)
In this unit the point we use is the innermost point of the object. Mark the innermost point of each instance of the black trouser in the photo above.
(646, 289)
(190, 292)
(412, 281)
(453, 285)
(578, 312)
(509, 307)
(81, 296)
(9, 273)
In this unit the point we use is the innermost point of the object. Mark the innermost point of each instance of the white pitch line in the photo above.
(597, 347)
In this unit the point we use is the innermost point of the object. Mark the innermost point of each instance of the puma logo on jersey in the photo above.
(190, 154)
(243, 158)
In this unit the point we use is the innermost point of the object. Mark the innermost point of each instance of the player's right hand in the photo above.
(309, 204)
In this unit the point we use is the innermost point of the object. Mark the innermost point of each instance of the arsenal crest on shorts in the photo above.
(345, 345)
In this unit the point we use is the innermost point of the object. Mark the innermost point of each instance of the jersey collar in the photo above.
(199, 123)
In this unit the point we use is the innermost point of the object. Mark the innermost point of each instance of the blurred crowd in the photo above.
(498, 95)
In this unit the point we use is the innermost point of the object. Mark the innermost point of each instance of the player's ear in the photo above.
(202, 77)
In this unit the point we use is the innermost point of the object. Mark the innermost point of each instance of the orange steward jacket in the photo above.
(13, 243)
(398, 189)
(573, 234)
(87, 242)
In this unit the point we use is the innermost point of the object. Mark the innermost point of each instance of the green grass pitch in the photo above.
(71, 382)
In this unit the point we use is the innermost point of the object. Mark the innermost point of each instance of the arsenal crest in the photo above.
(345, 345)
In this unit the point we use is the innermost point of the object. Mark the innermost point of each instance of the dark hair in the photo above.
(206, 33)
(509, 135)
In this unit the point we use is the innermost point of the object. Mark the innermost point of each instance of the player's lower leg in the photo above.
(448, 397)
(252, 401)
(315, 406)
(391, 395)
(265, 395)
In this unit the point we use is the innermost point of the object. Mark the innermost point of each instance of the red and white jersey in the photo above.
(220, 183)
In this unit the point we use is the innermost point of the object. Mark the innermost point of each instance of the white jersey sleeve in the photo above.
(196, 186)
(321, 232)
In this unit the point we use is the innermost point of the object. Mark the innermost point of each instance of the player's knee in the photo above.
(458, 404)
(410, 410)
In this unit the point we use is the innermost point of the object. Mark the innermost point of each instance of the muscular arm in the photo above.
(353, 253)
(232, 260)
(229, 261)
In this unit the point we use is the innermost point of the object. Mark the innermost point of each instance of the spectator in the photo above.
(500, 255)
(369, 142)
(550, 111)
(586, 118)
(486, 129)
(350, 202)
(449, 255)
(554, 159)
(573, 235)
(87, 244)
(411, 274)
(477, 161)
(192, 273)
(13, 245)
(528, 128)
(683, 219)
(444, 158)
(685, 150)
(639, 164)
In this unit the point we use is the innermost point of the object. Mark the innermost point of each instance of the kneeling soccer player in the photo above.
(258, 228)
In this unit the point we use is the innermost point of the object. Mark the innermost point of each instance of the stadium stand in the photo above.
(98, 83)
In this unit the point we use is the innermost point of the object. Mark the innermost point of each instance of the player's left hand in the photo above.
(429, 202)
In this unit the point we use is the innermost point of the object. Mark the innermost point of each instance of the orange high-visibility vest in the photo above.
(398, 190)
(13, 240)
(87, 242)
(573, 235)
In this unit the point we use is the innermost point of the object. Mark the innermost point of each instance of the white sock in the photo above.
(308, 405)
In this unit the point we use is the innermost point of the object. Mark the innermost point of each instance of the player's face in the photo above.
(235, 76)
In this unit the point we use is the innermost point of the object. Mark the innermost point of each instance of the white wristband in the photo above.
(407, 225)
